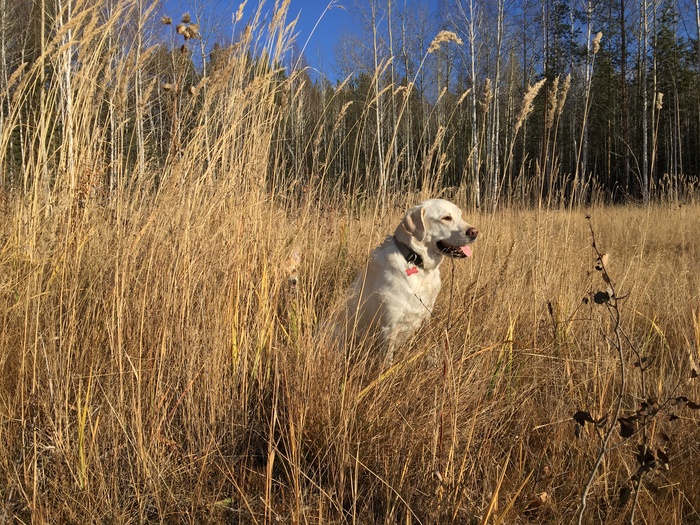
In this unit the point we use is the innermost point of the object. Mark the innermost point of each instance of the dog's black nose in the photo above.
(472, 233)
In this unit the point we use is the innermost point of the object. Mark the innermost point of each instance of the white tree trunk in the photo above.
(645, 104)
(378, 102)
(63, 18)
(394, 123)
(3, 78)
(475, 138)
(138, 91)
(496, 115)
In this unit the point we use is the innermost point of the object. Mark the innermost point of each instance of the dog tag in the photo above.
(410, 271)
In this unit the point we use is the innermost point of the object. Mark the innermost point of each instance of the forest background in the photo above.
(614, 108)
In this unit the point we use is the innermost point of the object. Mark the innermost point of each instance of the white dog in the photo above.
(395, 293)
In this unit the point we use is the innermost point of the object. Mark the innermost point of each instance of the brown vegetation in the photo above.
(155, 366)
(154, 370)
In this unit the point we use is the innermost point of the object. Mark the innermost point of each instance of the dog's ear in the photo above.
(412, 225)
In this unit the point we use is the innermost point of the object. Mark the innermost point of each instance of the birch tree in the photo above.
(624, 102)
(466, 22)
(643, 69)
(495, 164)
(65, 12)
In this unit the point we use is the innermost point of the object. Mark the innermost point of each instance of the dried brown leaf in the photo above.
(662, 437)
(582, 416)
(625, 493)
(601, 297)
(675, 401)
(627, 426)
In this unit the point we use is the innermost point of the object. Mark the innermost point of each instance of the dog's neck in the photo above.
(408, 253)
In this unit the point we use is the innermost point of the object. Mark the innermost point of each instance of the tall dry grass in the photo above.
(157, 367)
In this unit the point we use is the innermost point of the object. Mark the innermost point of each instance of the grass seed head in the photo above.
(487, 95)
(563, 92)
(239, 13)
(192, 31)
(659, 101)
(552, 103)
(442, 38)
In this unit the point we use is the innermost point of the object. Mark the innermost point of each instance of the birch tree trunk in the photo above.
(378, 102)
(697, 27)
(394, 123)
(623, 98)
(43, 184)
(138, 92)
(471, 31)
(68, 154)
(3, 77)
(495, 114)
(588, 78)
(581, 177)
(645, 103)
(407, 115)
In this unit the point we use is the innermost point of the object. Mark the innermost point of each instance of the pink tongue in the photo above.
(466, 250)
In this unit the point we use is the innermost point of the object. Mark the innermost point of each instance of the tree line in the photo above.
(555, 102)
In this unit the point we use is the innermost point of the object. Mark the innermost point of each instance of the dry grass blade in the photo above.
(493, 503)
(514, 497)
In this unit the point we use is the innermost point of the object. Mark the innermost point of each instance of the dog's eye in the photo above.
(447, 218)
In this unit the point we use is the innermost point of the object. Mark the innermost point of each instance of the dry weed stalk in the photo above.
(611, 300)
(525, 110)
(646, 422)
(549, 161)
(527, 106)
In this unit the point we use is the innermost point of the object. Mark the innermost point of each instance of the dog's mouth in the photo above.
(457, 252)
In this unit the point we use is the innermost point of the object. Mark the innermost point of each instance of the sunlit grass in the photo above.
(156, 365)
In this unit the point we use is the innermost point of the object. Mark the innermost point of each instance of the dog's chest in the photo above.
(408, 290)
(423, 284)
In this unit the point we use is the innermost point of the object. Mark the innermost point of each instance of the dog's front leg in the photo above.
(389, 357)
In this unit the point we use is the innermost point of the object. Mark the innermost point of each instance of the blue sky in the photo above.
(321, 27)
(320, 23)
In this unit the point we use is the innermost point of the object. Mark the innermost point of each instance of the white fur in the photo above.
(391, 297)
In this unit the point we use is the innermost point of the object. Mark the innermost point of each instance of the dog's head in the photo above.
(434, 229)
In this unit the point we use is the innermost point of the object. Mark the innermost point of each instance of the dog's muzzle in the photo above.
(457, 252)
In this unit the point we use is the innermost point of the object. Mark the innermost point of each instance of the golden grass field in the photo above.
(159, 370)
(157, 367)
